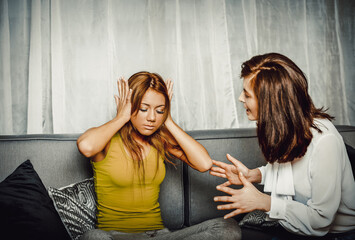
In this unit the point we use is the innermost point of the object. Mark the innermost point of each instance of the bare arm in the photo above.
(92, 142)
(193, 153)
(95, 139)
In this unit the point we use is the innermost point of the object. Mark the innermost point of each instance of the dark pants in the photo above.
(279, 233)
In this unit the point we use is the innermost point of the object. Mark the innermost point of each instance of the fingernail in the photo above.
(215, 199)
(218, 207)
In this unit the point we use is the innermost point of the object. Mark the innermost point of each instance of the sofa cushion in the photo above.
(171, 197)
(76, 205)
(27, 211)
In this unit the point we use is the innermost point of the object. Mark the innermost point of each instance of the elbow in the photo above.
(84, 148)
(205, 166)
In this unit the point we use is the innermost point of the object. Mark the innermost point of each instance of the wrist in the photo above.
(254, 175)
(120, 120)
(169, 122)
(265, 204)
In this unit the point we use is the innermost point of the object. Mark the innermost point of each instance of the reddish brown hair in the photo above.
(140, 83)
(285, 110)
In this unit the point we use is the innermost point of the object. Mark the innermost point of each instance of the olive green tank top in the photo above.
(125, 203)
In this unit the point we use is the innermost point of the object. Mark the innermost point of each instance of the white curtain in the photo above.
(60, 59)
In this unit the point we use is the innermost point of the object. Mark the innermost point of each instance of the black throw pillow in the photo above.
(26, 210)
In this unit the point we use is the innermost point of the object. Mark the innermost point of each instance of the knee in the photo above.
(95, 234)
(227, 229)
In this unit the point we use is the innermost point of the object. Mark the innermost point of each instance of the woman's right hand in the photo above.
(93, 142)
(123, 100)
(230, 171)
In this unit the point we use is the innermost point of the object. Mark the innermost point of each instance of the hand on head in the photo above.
(123, 100)
(169, 86)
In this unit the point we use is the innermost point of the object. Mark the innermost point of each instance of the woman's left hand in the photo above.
(169, 86)
(243, 200)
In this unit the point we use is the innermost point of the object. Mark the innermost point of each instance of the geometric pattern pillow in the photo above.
(257, 218)
(76, 206)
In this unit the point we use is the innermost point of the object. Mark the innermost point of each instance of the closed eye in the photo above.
(246, 94)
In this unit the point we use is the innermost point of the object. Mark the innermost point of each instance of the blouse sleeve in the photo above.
(262, 171)
(315, 217)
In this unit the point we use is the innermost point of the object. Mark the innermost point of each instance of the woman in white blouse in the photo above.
(308, 175)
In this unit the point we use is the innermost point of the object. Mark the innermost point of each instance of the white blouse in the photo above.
(315, 194)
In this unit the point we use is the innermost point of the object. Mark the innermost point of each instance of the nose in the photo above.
(151, 116)
(241, 97)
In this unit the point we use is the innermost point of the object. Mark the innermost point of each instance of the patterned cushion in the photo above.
(257, 218)
(76, 205)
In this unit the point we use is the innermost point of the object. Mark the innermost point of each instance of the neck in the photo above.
(141, 139)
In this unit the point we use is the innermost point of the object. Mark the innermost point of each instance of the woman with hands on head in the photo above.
(128, 156)
(308, 172)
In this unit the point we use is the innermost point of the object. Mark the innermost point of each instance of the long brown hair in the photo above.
(286, 112)
(140, 83)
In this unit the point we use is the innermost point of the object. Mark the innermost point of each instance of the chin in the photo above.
(251, 117)
(145, 132)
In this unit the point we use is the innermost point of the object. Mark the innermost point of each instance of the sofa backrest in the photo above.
(55, 157)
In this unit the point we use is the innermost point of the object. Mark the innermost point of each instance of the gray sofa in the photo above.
(186, 196)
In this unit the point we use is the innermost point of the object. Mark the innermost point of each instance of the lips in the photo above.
(149, 127)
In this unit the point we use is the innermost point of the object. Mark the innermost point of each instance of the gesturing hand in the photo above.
(123, 101)
(244, 200)
(229, 171)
